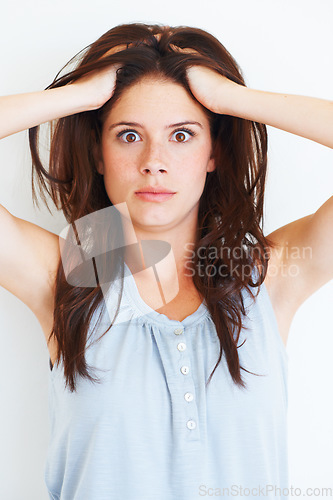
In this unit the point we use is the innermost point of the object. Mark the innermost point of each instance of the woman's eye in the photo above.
(181, 135)
(129, 135)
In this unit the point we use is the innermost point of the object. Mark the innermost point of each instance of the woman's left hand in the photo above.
(212, 90)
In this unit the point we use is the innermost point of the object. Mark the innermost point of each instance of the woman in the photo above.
(205, 293)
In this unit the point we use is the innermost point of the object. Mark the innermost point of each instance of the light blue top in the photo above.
(152, 430)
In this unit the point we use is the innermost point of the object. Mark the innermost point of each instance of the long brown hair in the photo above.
(231, 206)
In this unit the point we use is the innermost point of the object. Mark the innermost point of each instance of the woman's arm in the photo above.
(307, 117)
(22, 111)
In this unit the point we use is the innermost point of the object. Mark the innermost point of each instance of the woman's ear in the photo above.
(100, 166)
(211, 164)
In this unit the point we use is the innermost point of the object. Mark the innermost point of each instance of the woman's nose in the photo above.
(153, 160)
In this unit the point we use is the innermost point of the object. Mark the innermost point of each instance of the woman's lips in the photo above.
(154, 196)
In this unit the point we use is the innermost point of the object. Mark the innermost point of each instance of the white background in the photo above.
(281, 47)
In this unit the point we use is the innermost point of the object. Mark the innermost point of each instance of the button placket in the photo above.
(173, 360)
(190, 411)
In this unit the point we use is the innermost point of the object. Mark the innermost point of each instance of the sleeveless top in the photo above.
(152, 429)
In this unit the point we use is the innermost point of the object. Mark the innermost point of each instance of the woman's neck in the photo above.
(161, 255)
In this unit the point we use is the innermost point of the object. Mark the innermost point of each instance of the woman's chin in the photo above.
(153, 224)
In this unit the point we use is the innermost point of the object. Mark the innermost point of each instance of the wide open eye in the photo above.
(181, 134)
(129, 136)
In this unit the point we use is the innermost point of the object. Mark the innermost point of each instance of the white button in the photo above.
(191, 424)
(188, 396)
(181, 346)
(178, 331)
(184, 370)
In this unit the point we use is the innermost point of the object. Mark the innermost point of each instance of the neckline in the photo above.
(147, 313)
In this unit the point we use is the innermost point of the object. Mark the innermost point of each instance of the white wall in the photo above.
(281, 47)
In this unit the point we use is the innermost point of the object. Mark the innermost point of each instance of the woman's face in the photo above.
(149, 149)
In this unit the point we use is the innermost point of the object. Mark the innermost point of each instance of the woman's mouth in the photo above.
(154, 193)
(154, 196)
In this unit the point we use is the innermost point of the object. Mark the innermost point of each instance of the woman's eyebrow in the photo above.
(135, 124)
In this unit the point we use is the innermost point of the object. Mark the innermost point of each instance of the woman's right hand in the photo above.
(97, 86)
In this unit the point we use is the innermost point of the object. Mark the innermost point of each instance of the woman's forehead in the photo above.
(150, 89)
(157, 110)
